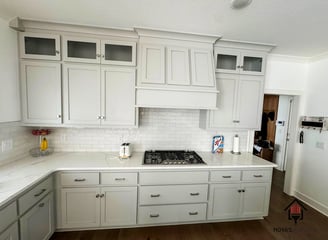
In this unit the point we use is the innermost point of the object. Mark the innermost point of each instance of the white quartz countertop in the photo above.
(18, 176)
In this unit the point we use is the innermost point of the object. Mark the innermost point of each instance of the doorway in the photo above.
(271, 142)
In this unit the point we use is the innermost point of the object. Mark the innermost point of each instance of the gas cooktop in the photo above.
(172, 157)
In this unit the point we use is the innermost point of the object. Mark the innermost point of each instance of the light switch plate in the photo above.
(7, 145)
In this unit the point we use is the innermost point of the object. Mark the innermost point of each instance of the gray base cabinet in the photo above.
(38, 222)
(11, 233)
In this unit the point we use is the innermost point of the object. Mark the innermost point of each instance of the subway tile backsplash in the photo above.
(158, 129)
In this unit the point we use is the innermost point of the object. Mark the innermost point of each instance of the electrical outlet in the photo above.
(320, 145)
(7, 145)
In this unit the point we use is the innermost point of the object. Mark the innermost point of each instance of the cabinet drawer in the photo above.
(8, 215)
(119, 178)
(154, 178)
(149, 195)
(171, 213)
(225, 176)
(257, 175)
(79, 179)
(34, 195)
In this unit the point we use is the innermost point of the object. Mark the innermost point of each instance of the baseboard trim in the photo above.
(312, 203)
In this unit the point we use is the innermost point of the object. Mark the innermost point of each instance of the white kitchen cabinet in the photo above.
(202, 67)
(99, 96)
(246, 197)
(230, 60)
(86, 203)
(81, 94)
(38, 222)
(118, 52)
(93, 50)
(178, 67)
(80, 207)
(239, 104)
(118, 96)
(11, 233)
(152, 64)
(8, 216)
(118, 206)
(39, 46)
(41, 92)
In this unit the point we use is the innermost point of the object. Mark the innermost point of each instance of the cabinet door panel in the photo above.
(80, 207)
(224, 116)
(224, 201)
(178, 70)
(41, 92)
(255, 199)
(38, 222)
(81, 94)
(77, 49)
(202, 68)
(252, 63)
(227, 60)
(250, 101)
(39, 46)
(11, 233)
(153, 64)
(119, 96)
(119, 206)
(119, 53)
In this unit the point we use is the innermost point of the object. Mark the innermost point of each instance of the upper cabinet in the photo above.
(41, 92)
(93, 50)
(241, 58)
(175, 69)
(39, 46)
(240, 69)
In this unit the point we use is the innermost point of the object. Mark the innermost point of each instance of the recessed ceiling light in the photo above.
(237, 4)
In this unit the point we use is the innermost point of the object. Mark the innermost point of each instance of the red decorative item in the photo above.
(41, 132)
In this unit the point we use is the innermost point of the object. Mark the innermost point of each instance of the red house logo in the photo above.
(295, 210)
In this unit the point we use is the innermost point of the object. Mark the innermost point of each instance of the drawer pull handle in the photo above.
(226, 176)
(193, 213)
(258, 175)
(194, 194)
(79, 179)
(120, 179)
(41, 205)
(154, 215)
(40, 193)
(155, 195)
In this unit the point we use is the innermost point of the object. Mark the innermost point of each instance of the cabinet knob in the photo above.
(98, 55)
(98, 195)
(235, 121)
(41, 205)
(58, 116)
(102, 195)
(57, 52)
(103, 56)
(99, 117)
(239, 190)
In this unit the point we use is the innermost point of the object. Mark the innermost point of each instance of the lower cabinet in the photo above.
(240, 199)
(94, 207)
(11, 233)
(38, 222)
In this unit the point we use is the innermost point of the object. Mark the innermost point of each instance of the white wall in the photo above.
(9, 90)
(312, 167)
(285, 75)
(158, 129)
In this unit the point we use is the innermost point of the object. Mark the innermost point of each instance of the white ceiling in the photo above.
(297, 27)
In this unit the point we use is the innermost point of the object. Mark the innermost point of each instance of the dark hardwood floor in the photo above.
(314, 226)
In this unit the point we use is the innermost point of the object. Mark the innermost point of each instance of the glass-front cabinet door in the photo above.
(118, 53)
(242, 62)
(39, 46)
(77, 49)
(252, 63)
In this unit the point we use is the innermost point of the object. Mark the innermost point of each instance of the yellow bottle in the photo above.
(44, 144)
